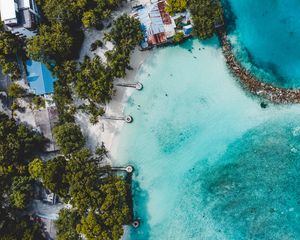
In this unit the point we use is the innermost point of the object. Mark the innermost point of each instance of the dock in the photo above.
(138, 86)
(127, 119)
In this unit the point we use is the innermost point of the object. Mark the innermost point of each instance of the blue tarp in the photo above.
(40, 79)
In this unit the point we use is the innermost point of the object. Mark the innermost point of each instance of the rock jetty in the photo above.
(251, 83)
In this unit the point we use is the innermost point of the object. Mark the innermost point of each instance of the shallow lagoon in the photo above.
(210, 162)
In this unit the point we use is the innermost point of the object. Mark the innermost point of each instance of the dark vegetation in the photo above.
(98, 196)
(10, 52)
(206, 14)
(96, 44)
(174, 6)
(18, 147)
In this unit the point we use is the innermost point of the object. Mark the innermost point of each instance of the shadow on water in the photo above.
(141, 198)
(189, 44)
(230, 17)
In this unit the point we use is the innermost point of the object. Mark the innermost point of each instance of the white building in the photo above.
(157, 24)
(20, 16)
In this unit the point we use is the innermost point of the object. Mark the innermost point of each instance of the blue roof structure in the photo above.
(187, 29)
(40, 79)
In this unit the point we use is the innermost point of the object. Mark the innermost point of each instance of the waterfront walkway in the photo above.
(251, 83)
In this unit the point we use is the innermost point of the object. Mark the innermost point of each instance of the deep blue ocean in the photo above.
(267, 33)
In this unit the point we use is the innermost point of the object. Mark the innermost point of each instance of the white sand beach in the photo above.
(107, 131)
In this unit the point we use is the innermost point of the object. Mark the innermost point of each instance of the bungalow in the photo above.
(40, 79)
(157, 24)
(20, 17)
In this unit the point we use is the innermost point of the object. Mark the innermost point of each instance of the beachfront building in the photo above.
(41, 82)
(20, 17)
(157, 25)
(183, 22)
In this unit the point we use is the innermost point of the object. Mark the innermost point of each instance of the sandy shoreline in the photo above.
(108, 131)
(111, 136)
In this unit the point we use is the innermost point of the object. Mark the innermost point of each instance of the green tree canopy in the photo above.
(63, 100)
(206, 14)
(90, 12)
(174, 6)
(10, 48)
(63, 11)
(69, 138)
(94, 81)
(125, 33)
(21, 191)
(66, 224)
(66, 74)
(15, 90)
(21, 228)
(53, 43)
(95, 192)
(35, 168)
(84, 174)
(106, 220)
(18, 146)
(54, 176)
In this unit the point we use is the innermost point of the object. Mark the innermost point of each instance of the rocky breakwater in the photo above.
(251, 83)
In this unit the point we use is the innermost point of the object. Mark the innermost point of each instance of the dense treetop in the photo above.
(66, 225)
(18, 146)
(174, 6)
(69, 137)
(125, 33)
(94, 82)
(89, 12)
(206, 14)
(98, 197)
(52, 43)
(10, 49)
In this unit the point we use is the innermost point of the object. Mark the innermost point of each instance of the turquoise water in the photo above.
(210, 162)
(267, 33)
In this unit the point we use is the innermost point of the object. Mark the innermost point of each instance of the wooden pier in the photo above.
(127, 119)
(138, 86)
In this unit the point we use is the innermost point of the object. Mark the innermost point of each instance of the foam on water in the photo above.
(267, 33)
(201, 146)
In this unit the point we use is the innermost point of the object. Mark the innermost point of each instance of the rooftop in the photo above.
(156, 23)
(40, 79)
(8, 9)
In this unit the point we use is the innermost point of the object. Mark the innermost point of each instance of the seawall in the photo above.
(250, 82)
